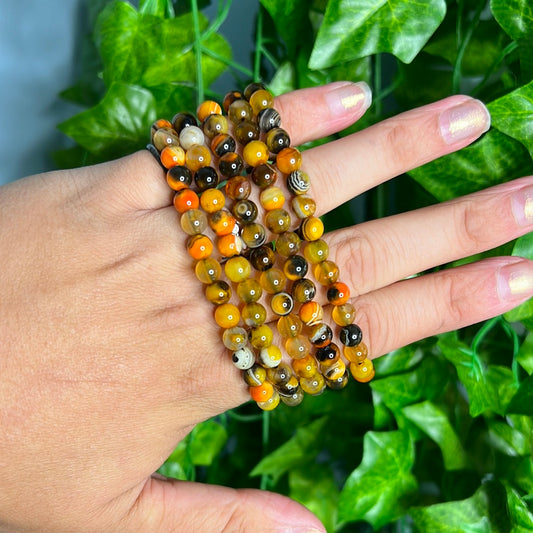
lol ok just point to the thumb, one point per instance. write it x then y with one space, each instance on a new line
167 505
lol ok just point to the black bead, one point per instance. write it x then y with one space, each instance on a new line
327 353
206 178
245 211
262 258
351 335
181 173
183 120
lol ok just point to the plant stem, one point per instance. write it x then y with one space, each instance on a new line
226 61
265 440
198 52
482 333
222 15
258 44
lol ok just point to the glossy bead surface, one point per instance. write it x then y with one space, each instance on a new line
303 206
172 155
272 198
311 228
215 125
186 199
255 153
207 108
212 200
288 244
183 120
305 367
263 392
311 313
237 269
298 182
320 335
289 325
253 314
316 251
240 110
165 137
288 160
251 88
278 221
253 235
261 336
339 383
351 335
160 123
243 358
362 372
249 291
234 338
255 376
303 290
229 98
281 303
294 399
227 315
268 118
334 371
222 144
193 221
313 385
246 131
298 347
270 356
197 156
208 270
357 353
289 388
277 139
229 245
218 292
280 374
343 314
295 267
273 280
245 211
327 355
191 136
230 164
179 177
206 178
262 258
261 99
326 272
222 222
238 188
264 175
338 293
199 246
270 404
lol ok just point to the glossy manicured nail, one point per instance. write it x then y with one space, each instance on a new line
515 281
522 203
346 98
464 121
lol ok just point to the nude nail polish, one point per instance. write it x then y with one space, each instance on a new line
464 121
515 281
345 98
522 204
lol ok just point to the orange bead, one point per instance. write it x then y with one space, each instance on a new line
161 123
186 199
172 155
255 153
229 245
311 313
289 160
222 222
272 198
227 315
263 392
362 372
209 107
199 246
338 293
197 156
212 200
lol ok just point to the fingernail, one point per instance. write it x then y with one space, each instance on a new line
300 530
348 97
522 203
515 281
463 121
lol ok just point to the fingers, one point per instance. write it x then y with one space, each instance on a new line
170 505
379 252
349 166
420 307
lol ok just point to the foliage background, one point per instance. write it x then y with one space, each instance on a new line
442 439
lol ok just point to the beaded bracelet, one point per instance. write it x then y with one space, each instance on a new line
213 172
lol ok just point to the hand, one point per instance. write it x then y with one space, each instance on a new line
110 354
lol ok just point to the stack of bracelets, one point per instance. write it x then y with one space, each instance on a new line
256 258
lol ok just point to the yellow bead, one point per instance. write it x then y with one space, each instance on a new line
218 292
261 336
316 251
343 314
272 198
249 291
289 325
313 385
227 315
282 303
255 153
298 347
253 314
260 100
238 269
270 404
312 228
270 356
197 156
326 273
305 367
356 354
212 200
362 372
335 371
209 107
273 280
208 270
234 338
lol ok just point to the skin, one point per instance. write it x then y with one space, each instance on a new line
109 356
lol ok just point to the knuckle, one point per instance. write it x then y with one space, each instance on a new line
470 228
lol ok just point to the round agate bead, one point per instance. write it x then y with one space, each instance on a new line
261 336
311 228
249 291
179 177
230 245
273 280
264 175
243 358
234 338
311 313
255 153
222 144
240 110
294 399
197 156
253 235
289 388
289 160
251 88
208 270
238 188
288 244
303 206
212 200
218 292
326 272
280 374
253 314
172 155
289 325
271 403
199 246
268 118
165 137
339 383
351 335
206 108
214 125
270 356
185 200
222 222
357 353
303 290
316 251
193 221
313 385
298 182
245 211
237 269
281 303
246 131
227 315
262 258
278 221
343 314
261 99
334 371
277 139
255 376
158 124
328 355
183 120
305 367
298 347
338 293
230 164
362 372
191 136
206 178
295 267
272 198
320 335
229 98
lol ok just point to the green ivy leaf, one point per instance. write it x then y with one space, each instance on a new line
300 449
433 421
494 159
522 248
118 125
160 8
521 517
525 354
379 489
512 114
206 442
522 401
399 360
507 439
353 29
514 16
